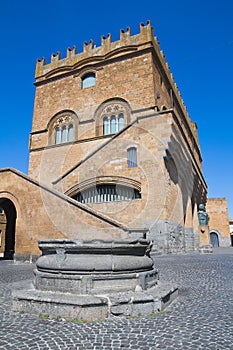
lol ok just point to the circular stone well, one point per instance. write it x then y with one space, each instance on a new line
92 279
95 266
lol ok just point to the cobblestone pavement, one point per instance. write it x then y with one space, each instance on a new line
201 318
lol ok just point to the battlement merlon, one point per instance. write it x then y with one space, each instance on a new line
92 54
90 50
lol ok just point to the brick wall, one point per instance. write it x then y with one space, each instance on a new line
217 210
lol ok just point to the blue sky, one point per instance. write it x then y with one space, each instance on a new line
196 36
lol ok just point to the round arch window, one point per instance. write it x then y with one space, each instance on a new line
107 193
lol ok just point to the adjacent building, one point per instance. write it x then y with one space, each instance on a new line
219 222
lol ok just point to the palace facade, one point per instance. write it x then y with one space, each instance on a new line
113 152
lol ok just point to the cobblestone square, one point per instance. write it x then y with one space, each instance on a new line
201 317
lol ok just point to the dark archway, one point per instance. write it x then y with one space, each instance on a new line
10 212
214 239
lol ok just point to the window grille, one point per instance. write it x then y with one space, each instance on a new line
107 193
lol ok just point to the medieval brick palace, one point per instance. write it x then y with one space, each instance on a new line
113 152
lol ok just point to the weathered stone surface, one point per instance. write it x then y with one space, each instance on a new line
56 304
92 307
144 303
95 266
81 256
115 277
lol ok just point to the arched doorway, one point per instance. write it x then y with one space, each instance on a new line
214 239
9 234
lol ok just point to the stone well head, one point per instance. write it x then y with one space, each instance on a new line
93 279
95 266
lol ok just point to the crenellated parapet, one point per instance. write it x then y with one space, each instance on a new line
92 55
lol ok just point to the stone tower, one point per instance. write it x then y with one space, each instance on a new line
113 151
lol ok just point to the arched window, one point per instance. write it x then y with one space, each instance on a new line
107 193
132 157
112 116
63 128
88 80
